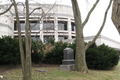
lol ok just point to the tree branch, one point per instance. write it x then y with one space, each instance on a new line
34 24
39 19
100 30
36 9
89 13
20 38
49 10
7 9
43 10
21 3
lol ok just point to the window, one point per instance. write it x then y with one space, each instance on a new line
73 37
73 27
22 24
36 27
48 25
62 25
35 38
15 26
62 38
17 37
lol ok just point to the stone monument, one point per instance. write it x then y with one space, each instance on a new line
68 63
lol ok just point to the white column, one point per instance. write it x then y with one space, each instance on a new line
41 30
12 26
69 28
56 29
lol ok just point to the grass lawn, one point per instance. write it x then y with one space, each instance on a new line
53 73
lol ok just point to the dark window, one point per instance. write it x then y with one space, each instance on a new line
34 38
36 27
17 37
72 26
15 26
22 24
62 25
62 38
73 37
48 25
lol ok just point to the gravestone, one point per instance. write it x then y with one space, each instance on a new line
68 63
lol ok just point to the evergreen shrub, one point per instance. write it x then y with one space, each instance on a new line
101 57
55 56
35 56
9 50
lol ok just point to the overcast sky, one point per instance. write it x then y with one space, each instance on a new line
96 18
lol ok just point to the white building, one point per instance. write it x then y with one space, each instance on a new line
58 23
100 40
6 22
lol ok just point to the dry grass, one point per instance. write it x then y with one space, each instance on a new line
53 73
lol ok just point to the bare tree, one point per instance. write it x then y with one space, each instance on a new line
80 61
116 14
26 54
6 10
25 58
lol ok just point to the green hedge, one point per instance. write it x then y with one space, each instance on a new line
10 54
97 57
55 56
36 50
101 57
9 50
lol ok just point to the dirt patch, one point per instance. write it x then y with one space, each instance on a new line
4 68
44 65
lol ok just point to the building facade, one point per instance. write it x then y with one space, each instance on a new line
53 21
100 40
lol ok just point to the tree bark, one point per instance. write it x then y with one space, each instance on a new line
116 14
25 57
101 28
20 40
80 61
6 10
27 45
80 57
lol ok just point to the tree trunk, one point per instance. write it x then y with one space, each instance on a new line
20 40
80 61
25 57
116 14
27 45
80 57
101 28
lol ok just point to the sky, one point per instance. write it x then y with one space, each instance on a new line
96 17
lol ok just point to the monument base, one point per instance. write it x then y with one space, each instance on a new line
70 67
67 62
